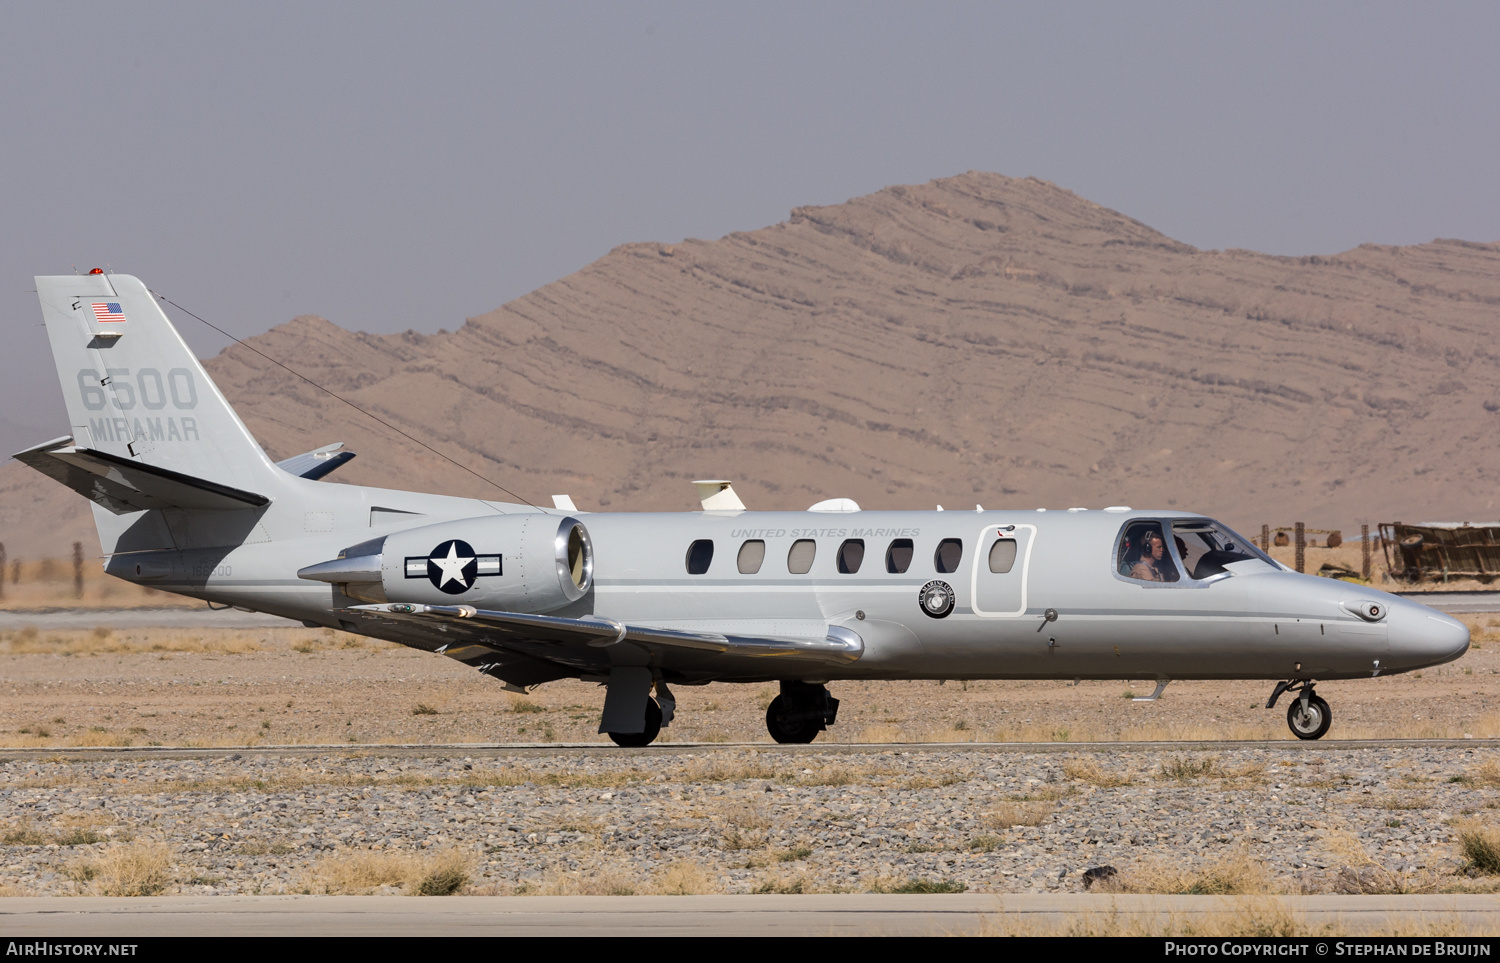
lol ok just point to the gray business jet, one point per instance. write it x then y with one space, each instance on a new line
185 500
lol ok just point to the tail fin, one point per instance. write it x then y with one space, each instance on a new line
135 391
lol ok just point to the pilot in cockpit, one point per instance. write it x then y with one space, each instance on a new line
1152 565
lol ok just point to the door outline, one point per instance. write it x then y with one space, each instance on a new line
981 557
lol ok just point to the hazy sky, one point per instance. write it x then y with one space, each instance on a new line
393 166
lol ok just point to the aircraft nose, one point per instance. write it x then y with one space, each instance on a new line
1422 636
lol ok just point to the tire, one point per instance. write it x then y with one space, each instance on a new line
1311 724
797 732
636 740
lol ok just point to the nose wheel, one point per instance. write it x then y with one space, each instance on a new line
1308 716
1310 719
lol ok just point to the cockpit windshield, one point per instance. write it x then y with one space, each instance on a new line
1206 546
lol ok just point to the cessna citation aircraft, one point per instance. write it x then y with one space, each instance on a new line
186 501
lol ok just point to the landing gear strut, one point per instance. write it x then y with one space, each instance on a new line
1308 716
801 712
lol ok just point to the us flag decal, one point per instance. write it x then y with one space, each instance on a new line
108 311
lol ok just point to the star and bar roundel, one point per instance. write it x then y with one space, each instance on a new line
452 567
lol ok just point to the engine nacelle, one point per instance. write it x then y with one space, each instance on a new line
526 562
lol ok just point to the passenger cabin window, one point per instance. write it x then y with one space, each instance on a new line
950 552
1206 547
1002 555
699 555
799 560
851 556
1143 554
752 553
898 556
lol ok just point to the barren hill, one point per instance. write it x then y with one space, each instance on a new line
976 339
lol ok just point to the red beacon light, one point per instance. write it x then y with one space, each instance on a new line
97 271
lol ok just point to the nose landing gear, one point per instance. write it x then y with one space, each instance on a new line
1308 716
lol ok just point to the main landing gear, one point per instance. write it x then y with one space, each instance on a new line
801 712
1308 716
635 740
632 718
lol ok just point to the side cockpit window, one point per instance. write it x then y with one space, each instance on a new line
1206 547
1143 555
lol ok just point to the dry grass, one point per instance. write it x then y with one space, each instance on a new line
1362 874
23 833
685 878
1234 874
1008 815
1247 917
681 878
734 769
1480 845
1089 771
357 872
1487 773
139 868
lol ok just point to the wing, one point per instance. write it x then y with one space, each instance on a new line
816 642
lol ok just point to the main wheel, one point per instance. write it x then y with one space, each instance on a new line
635 740
785 729
1309 723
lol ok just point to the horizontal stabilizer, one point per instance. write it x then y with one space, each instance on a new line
316 463
123 486
838 645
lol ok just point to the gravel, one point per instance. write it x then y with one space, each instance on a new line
748 819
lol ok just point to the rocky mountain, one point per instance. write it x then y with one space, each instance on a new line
975 339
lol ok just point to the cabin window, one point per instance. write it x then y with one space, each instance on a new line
851 556
1143 554
799 560
752 553
898 556
950 552
699 555
1002 555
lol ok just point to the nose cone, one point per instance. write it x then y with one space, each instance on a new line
1421 636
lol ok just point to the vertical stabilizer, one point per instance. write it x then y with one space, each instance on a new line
133 388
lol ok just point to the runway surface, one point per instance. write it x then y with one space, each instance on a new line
553 749
174 618
1457 603
654 916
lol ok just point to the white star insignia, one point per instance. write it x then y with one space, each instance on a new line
452 566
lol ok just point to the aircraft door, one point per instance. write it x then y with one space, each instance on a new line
1001 568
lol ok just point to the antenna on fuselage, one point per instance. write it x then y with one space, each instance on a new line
717 495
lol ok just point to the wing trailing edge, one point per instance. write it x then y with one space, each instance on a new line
837 646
